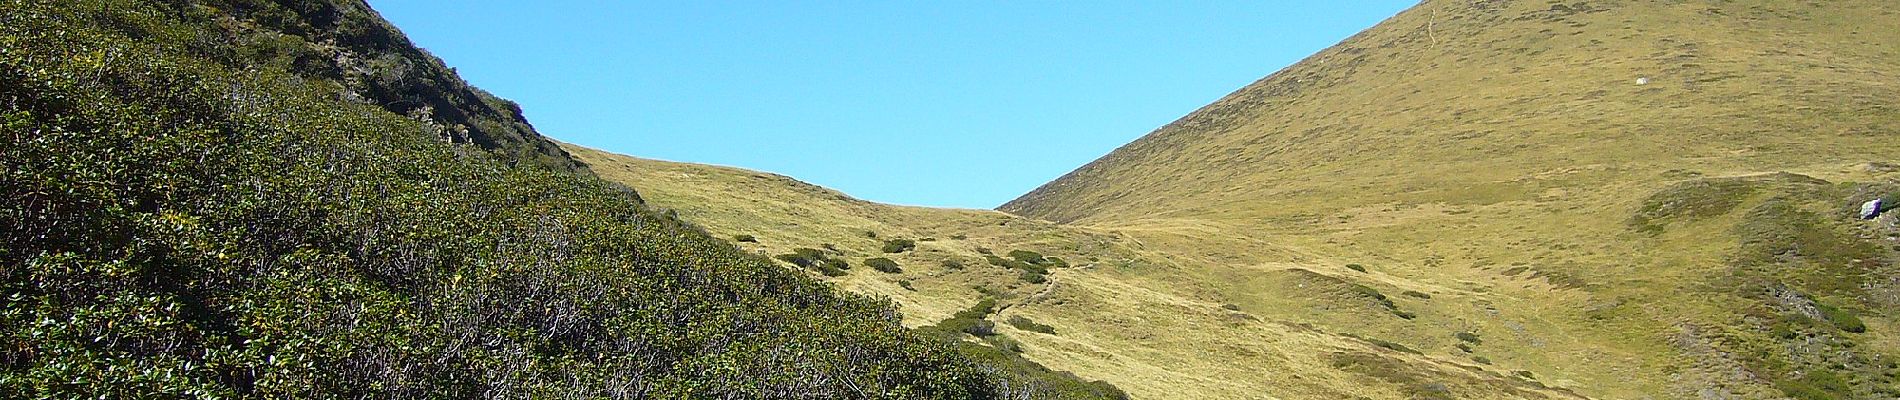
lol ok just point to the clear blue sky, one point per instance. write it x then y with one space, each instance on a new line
958 104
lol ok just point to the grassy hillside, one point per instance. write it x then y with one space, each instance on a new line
1106 316
196 209
1591 192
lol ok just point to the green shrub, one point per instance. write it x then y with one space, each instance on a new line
952 265
745 239
884 265
1392 346
899 245
1023 323
906 284
1468 337
1026 256
1842 319
1356 267
1053 262
1416 294
816 260
1034 277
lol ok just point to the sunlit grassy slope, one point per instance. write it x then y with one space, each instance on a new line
1474 199
1116 314
1590 189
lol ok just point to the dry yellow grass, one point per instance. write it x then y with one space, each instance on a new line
1121 313
1479 160
1489 153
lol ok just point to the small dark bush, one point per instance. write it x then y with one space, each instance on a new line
1418 294
1481 360
1023 323
884 265
1842 319
1356 267
1392 346
817 260
984 250
906 285
1469 337
1005 263
958 237
952 265
1231 307
1034 277
870 234
1465 347
1053 262
1026 256
745 239
1402 314
980 328
899 245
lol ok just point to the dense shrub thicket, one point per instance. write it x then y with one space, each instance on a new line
189 218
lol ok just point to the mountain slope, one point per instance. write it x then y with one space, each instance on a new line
1477 97
1633 199
1103 316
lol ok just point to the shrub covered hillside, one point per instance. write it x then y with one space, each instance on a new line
187 216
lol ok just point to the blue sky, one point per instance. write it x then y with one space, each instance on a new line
956 104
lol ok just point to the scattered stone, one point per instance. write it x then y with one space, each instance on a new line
1870 209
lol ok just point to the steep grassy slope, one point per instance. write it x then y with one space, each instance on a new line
1104 317
188 219
1509 163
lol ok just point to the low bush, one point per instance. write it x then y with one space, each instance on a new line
884 265
952 265
1024 323
816 260
899 245
1417 294
1053 262
1356 267
1392 346
1842 319
1026 256
1468 337
1034 277
745 239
